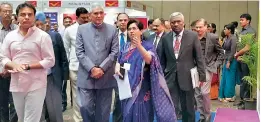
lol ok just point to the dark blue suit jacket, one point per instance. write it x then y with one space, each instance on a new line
152 37
60 70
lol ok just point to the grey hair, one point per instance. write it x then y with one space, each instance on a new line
177 15
96 5
6 3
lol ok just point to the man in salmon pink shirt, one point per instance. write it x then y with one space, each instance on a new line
28 53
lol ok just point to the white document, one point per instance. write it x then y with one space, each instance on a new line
123 86
194 77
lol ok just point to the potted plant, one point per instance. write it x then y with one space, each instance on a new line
251 59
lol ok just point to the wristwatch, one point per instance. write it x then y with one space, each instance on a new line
27 67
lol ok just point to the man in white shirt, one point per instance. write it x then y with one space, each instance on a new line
159 29
69 39
67 21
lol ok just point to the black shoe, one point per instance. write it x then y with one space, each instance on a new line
64 108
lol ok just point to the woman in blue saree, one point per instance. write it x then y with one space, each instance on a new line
150 95
229 77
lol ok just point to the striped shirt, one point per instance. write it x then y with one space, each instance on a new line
3 33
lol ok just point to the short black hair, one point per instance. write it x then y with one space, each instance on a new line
246 16
213 25
235 23
67 17
138 23
15 17
121 14
81 10
150 21
47 17
193 23
23 5
230 27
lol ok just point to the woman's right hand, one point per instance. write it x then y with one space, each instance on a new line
117 69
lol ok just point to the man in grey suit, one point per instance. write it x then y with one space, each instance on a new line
52 110
97 45
177 58
213 55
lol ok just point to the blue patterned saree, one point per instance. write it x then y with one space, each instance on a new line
150 95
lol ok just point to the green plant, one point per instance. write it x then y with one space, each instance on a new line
251 59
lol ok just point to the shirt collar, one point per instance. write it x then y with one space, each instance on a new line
180 34
160 34
12 27
246 27
97 26
125 32
30 30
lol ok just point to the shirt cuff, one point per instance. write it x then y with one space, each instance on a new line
45 64
5 61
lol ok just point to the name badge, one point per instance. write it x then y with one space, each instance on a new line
126 66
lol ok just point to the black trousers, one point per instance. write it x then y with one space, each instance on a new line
4 99
117 114
64 95
185 99
244 86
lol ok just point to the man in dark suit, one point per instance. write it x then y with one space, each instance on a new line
158 28
122 20
213 55
177 58
52 110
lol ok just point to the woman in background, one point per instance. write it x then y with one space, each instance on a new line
150 94
228 81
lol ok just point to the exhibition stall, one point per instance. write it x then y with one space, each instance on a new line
58 9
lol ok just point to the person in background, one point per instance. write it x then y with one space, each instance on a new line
48 23
228 80
149 31
69 38
97 45
6 26
193 26
150 93
14 19
55 27
159 29
52 110
167 26
243 70
236 33
213 55
212 28
29 54
122 20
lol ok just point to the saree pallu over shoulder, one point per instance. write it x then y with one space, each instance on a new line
161 100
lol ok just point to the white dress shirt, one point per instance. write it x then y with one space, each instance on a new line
125 36
69 39
158 39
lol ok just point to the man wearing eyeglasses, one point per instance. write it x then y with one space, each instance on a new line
69 39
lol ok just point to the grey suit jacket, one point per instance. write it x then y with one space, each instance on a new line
60 70
229 53
189 56
96 47
214 53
